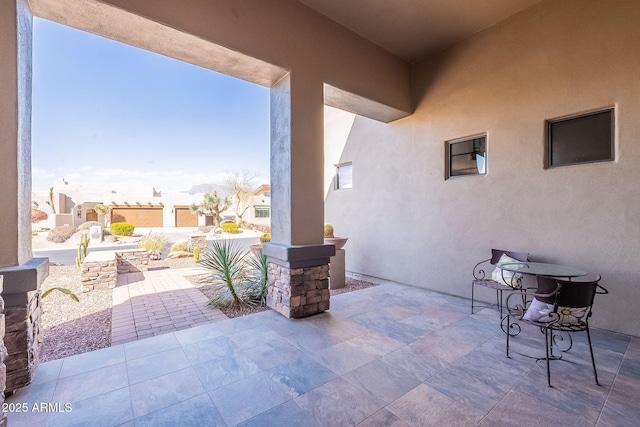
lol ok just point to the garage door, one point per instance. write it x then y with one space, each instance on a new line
184 217
138 216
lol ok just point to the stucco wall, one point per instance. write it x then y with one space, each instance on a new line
407 223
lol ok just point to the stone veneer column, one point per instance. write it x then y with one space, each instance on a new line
298 292
23 335
3 356
298 282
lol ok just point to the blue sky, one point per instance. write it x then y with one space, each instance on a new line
109 114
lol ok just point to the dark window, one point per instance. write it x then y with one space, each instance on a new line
466 157
581 139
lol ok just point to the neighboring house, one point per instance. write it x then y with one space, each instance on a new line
259 212
142 207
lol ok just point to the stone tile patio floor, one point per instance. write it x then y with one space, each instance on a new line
386 355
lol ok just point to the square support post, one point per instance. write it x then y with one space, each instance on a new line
298 282
23 274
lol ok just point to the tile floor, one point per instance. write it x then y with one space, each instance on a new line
382 356
156 302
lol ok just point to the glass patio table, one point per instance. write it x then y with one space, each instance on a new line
542 269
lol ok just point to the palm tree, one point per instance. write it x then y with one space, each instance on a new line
211 204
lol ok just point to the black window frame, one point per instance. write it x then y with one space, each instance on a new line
553 136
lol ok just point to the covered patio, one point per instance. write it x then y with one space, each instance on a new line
394 352
387 355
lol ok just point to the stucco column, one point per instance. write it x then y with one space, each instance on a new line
22 273
299 261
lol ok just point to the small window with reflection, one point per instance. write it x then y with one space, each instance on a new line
466 156
344 176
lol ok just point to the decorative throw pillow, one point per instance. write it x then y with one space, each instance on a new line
506 277
571 315
538 311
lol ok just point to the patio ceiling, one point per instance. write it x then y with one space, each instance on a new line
413 29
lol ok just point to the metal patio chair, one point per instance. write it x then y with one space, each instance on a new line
480 277
558 308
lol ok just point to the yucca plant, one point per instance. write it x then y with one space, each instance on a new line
227 262
257 289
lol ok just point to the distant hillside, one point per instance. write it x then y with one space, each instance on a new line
207 188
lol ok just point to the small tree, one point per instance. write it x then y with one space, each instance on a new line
240 185
211 204
104 210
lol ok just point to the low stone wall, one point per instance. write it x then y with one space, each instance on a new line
100 269
132 261
198 240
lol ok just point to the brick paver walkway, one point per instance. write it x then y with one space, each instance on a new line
158 302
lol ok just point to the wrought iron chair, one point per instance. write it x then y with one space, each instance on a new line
480 277
558 308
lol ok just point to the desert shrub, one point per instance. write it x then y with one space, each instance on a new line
87 225
122 229
37 215
106 232
230 227
179 247
153 242
61 233
265 238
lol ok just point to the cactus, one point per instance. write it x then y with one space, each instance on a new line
196 254
328 230
82 249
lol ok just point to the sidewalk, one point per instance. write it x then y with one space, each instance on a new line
158 302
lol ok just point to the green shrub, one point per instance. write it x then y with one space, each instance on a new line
153 242
87 225
106 232
122 229
179 247
61 233
265 238
230 227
